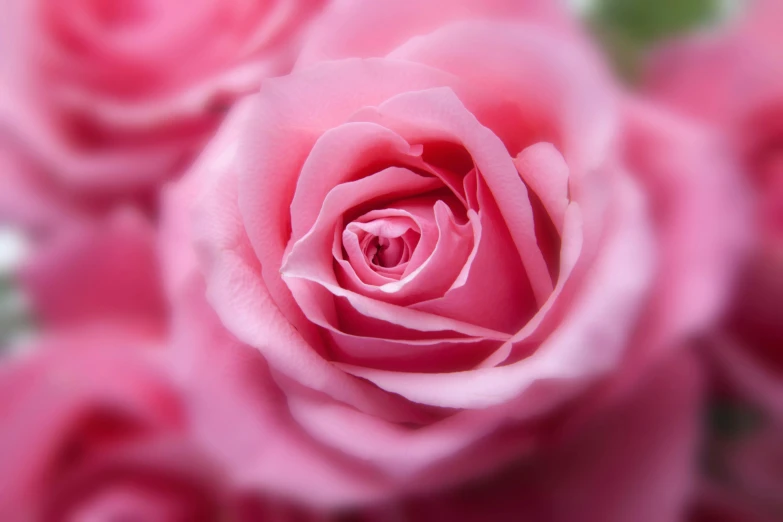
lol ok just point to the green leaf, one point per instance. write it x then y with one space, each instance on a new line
628 28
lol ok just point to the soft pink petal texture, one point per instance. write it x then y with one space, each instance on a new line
351 28
288 118
633 462
572 253
92 423
411 229
227 389
311 256
29 199
335 158
444 453
227 384
621 274
438 114
309 261
237 286
240 417
315 300
157 475
578 116
492 289
545 172
222 376
380 247
267 229
98 272
109 172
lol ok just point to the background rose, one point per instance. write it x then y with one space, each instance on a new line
111 97
315 209
90 428
94 428
733 79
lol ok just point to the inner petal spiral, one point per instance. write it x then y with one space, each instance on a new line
387 243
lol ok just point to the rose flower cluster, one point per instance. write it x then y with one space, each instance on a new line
389 260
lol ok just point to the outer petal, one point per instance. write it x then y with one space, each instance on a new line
635 462
239 415
557 85
351 28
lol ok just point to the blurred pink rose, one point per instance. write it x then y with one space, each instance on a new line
90 430
435 252
733 80
112 97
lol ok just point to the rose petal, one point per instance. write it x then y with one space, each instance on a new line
546 173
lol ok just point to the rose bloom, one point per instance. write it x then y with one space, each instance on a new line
438 246
93 429
733 80
110 98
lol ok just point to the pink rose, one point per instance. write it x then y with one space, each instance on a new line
733 80
91 430
112 97
435 254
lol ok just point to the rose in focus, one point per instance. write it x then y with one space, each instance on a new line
420 261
